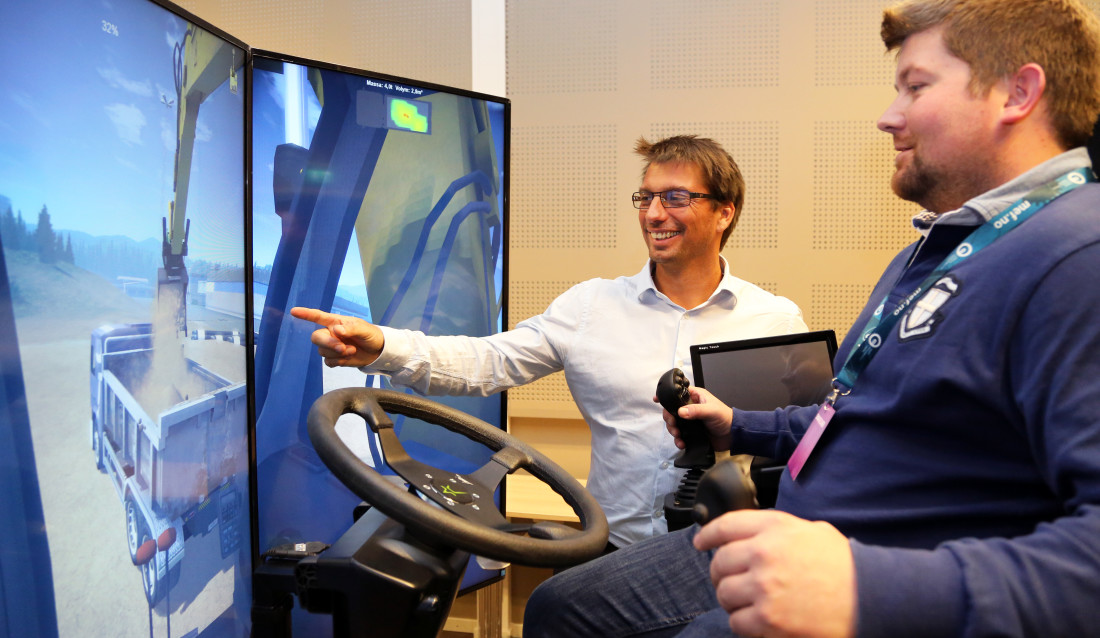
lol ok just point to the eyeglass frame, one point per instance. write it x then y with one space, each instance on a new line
637 201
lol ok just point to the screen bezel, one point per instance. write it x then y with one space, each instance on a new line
828 337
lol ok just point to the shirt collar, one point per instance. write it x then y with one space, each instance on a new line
647 290
984 207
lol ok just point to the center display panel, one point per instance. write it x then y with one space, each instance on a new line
378 198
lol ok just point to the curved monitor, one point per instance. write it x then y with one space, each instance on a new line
376 197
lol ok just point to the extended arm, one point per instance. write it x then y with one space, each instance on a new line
450 364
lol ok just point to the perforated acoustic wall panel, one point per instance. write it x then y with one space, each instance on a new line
581 59
770 286
836 304
853 206
843 54
792 88
549 394
300 25
714 44
565 207
442 31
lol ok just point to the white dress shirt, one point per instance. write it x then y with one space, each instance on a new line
614 339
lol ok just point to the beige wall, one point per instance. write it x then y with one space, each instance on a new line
427 40
791 88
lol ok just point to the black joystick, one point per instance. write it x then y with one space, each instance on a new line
698 455
672 392
723 488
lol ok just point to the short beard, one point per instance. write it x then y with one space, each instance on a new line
917 184
937 190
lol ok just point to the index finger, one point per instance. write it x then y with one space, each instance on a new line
319 317
734 526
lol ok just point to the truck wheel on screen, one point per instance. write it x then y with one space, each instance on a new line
154 587
135 528
97 446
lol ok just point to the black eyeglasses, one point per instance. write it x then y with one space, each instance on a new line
675 198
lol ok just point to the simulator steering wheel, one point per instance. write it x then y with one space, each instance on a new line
466 517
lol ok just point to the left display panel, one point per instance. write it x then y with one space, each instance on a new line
124 419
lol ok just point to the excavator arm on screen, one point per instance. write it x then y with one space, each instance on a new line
203 62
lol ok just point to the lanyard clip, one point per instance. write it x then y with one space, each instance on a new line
838 391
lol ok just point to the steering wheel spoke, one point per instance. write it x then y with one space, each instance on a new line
503 462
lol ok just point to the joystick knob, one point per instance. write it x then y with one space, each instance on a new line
672 393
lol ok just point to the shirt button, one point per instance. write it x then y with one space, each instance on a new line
658 513
664 466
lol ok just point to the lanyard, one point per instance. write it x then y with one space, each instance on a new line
879 326
874 333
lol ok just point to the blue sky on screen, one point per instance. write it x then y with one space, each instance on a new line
94 137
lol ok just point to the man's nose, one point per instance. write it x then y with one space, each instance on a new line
656 209
892 119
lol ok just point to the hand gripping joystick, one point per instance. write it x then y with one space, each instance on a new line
672 392
723 488
698 455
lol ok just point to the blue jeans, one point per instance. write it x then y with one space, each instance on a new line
658 587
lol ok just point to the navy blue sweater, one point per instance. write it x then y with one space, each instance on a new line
965 465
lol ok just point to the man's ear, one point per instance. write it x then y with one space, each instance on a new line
726 213
1024 90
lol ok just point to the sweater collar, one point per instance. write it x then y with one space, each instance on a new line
984 207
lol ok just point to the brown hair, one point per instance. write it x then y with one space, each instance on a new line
997 37
720 173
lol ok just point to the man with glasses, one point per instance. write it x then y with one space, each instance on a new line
613 338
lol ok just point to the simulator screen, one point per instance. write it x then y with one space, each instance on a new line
379 198
122 319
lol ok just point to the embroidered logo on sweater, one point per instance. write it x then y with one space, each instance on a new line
922 318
